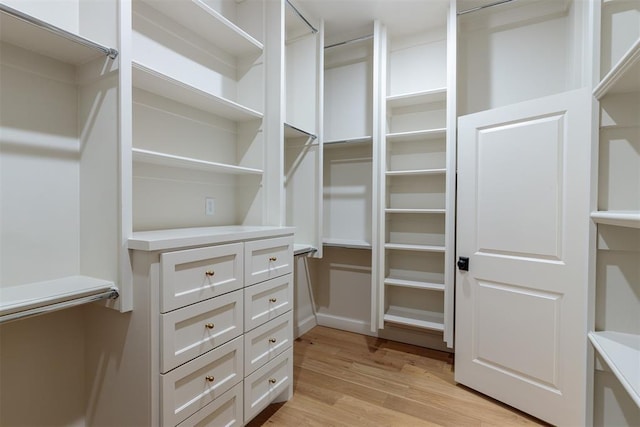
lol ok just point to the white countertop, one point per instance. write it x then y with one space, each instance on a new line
184 237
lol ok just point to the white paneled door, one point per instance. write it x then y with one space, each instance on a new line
523 222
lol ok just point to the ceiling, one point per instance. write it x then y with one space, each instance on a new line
345 19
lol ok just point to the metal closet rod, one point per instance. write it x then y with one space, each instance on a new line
356 40
111 53
498 3
110 294
313 29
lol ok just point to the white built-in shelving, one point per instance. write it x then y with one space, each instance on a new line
54 256
415 318
616 333
164 159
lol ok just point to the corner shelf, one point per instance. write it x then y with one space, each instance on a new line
30 33
291 131
415 318
624 77
347 141
164 159
42 297
156 82
629 219
417 98
621 352
210 24
303 249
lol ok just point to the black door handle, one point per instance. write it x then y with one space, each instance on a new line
463 263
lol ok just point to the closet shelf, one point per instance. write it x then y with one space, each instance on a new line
392 281
620 218
417 248
155 82
31 299
621 352
345 243
164 159
356 140
210 24
303 249
417 98
414 211
418 135
418 172
23 30
416 318
624 77
291 131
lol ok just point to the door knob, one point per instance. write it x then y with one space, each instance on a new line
463 263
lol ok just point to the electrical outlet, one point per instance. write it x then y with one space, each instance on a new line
209 206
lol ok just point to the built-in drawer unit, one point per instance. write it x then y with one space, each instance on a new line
227 410
193 330
265 384
193 385
194 275
266 301
268 258
265 342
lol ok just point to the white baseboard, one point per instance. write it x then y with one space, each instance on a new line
345 324
303 326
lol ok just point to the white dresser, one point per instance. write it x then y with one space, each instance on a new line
220 305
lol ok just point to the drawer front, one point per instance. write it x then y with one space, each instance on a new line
227 410
266 301
265 384
266 259
194 275
267 341
191 331
190 387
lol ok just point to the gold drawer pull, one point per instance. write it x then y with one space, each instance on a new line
209 325
272 300
272 380
272 340
209 378
210 273
273 258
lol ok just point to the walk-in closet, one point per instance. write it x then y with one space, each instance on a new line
252 212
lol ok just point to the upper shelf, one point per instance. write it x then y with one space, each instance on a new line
210 24
620 218
624 77
171 160
163 85
291 131
417 98
38 36
418 135
42 297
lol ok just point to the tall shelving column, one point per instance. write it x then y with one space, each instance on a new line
414 183
198 104
616 337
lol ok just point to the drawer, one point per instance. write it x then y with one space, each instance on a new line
267 341
267 300
266 259
190 387
227 410
265 384
191 331
194 275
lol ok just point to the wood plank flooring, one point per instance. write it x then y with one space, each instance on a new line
347 379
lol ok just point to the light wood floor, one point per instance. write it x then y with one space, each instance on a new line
346 379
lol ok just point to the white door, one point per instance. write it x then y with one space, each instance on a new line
523 222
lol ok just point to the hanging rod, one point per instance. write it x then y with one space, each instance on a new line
110 294
313 29
356 40
498 3
110 52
